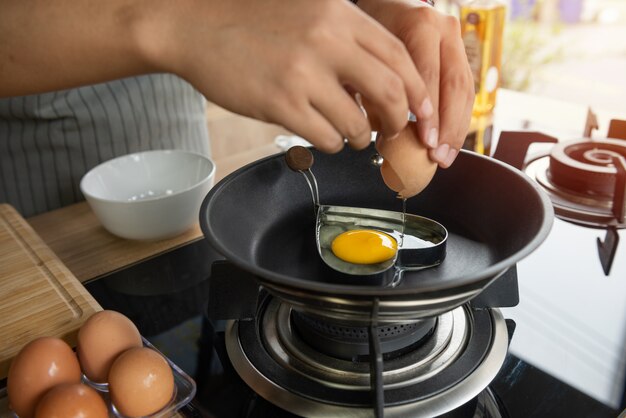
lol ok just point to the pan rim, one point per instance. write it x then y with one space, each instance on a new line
282 280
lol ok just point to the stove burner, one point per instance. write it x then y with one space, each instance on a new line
586 167
586 182
450 368
580 177
350 342
600 157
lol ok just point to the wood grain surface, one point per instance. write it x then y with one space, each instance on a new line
90 251
40 296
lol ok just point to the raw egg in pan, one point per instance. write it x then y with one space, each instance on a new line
364 246
363 241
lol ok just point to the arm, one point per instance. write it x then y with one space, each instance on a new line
287 62
435 45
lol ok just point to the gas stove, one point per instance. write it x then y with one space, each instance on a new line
262 354
584 178
575 281
175 307
313 367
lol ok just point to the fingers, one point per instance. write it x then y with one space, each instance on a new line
380 43
422 39
335 104
382 87
393 54
305 120
435 44
423 52
456 97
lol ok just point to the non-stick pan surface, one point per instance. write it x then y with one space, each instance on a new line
262 219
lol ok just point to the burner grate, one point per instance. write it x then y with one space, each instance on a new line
352 342
586 166
585 179
451 367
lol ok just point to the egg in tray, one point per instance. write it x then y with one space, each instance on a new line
113 373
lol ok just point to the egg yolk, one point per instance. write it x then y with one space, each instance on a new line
363 246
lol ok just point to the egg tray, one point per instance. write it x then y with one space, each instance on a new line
184 392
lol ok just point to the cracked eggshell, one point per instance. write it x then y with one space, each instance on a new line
407 169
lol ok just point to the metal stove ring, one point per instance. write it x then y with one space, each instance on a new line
571 206
358 311
289 351
437 404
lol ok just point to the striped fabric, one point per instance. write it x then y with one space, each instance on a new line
49 141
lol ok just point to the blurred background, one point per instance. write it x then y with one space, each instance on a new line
571 50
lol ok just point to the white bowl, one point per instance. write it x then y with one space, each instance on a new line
149 195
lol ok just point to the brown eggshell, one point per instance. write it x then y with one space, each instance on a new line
141 382
103 337
407 168
40 365
71 400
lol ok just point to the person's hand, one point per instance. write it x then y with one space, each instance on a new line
297 63
434 42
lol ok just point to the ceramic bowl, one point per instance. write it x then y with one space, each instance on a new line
149 195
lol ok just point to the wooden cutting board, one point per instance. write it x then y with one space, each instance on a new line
39 296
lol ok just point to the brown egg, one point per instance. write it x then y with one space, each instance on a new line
103 337
71 400
407 168
40 365
140 382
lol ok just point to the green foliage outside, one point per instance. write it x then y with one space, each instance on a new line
526 49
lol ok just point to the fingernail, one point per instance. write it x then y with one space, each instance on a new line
426 109
432 138
441 153
451 157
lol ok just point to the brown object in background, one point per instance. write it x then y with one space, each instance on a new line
40 296
591 124
617 129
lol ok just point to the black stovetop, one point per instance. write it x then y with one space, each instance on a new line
167 296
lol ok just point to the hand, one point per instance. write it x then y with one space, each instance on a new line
291 62
295 63
435 45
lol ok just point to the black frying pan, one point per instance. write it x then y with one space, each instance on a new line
261 218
